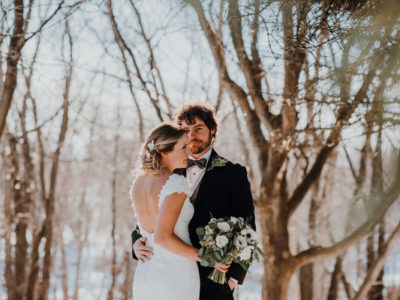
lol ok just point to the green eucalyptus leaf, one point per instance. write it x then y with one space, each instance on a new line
211 262
260 251
217 256
200 231
201 252
205 263
225 260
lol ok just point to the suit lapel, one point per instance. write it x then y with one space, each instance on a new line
204 181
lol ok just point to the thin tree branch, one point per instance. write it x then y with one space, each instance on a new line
122 46
377 265
253 76
234 90
43 23
318 253
343 116
153 62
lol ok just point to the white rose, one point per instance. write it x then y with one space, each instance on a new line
213 220
221 241
233 220
224 226
245 254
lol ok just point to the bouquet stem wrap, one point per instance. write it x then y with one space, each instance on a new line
217 276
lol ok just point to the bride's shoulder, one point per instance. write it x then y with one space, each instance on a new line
177 178
138 179
176 184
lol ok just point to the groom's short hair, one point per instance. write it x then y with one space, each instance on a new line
204 112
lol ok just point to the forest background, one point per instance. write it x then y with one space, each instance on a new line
307 95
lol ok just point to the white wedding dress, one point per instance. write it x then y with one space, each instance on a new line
168 276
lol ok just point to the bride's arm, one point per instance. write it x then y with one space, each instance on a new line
164 230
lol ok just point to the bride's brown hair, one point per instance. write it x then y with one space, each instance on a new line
161 139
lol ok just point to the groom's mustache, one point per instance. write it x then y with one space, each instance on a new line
198 141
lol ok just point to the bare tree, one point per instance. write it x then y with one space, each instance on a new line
18 39
153 84
113 209
276 136
297 80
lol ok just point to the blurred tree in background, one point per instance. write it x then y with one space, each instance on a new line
307 97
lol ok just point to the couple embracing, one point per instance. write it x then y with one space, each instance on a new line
180 182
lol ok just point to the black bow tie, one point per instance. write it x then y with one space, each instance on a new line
201 163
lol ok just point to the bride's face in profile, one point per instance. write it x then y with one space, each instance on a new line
179 156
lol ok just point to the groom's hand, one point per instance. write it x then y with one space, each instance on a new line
222 267
142 252
231 283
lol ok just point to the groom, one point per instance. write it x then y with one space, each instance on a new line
220 188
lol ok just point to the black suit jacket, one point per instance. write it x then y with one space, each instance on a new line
224 192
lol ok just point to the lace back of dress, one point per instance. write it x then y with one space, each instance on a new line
174 184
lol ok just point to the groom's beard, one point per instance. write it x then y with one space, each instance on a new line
200 146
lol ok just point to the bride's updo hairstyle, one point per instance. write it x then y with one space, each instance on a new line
161 139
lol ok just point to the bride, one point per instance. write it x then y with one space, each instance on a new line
163 212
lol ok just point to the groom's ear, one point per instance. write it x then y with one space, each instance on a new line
212 133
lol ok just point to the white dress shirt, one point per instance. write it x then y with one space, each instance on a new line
195 173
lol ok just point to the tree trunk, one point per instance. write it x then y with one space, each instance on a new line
16 265
281 272
21 251
48 257
347 287
9 275
14 54
277 263
370 258
34 271
381 246
306 282
335 279
113 209
64 273
78 267
376 292
126 288
23 206
376 189
49 200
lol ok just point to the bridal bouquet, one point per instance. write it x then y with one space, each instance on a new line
225 238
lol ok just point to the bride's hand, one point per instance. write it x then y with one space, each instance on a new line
222 267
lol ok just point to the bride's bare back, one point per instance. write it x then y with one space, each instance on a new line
145 192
